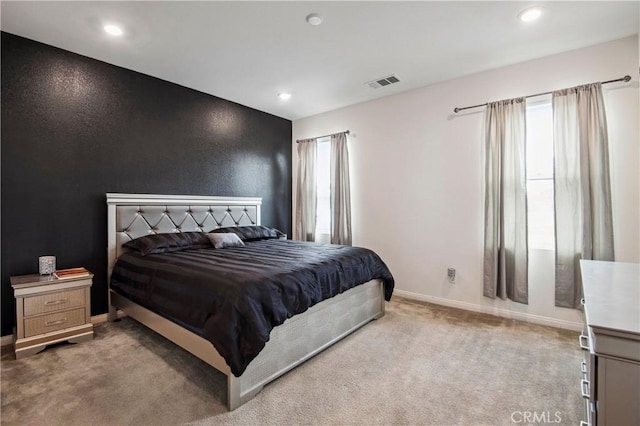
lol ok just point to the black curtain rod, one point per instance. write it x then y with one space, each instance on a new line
346 132
626 78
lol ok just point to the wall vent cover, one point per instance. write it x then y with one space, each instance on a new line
383 81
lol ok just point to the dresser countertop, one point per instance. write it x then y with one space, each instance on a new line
612 295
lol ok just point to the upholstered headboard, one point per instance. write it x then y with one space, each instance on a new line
131 216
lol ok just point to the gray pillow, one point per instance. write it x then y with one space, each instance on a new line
220 240
251 232
165 243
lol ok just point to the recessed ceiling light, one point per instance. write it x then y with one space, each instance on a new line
284 96
314 19
531 14
113 30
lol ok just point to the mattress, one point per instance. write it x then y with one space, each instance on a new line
234 296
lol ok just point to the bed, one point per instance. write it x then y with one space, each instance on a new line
131 216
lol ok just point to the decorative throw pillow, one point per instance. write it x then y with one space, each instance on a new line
222 240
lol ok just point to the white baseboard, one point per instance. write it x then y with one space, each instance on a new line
505 313
96 319
6 340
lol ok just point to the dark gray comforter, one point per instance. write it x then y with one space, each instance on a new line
234 296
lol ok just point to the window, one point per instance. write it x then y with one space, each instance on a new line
540 202
323 170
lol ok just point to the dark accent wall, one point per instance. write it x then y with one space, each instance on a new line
74 128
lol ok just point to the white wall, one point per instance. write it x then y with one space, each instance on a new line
416 170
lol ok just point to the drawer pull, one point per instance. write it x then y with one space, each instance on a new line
584 388
585 338
582 301
583 367
50 323
55 302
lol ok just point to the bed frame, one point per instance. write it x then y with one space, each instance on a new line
134 215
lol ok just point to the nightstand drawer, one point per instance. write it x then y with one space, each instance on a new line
52 322
54 302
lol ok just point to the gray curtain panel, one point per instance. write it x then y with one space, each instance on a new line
306 198
584 226
505 266
340 191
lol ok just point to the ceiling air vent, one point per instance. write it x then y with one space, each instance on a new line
383 81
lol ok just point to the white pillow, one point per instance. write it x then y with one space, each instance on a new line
220 240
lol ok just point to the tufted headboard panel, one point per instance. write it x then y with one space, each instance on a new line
131 216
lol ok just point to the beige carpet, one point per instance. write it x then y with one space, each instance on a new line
420 364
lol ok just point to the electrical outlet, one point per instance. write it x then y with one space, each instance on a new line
451 274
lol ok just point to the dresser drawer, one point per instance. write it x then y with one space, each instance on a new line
54 301
52 322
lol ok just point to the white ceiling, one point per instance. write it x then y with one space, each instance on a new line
248 52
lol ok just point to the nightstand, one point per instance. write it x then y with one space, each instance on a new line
51 310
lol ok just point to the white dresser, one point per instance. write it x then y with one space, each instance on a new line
611 340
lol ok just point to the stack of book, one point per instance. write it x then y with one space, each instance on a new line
71 273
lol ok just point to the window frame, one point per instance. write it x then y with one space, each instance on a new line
322 232
543 215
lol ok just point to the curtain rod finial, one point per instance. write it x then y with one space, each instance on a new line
456 109
627 78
